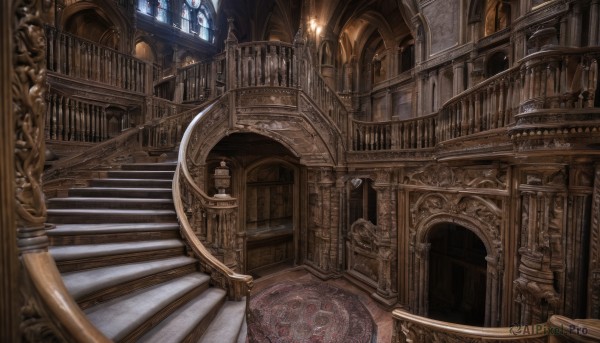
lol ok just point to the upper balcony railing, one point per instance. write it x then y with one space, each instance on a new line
547 81
542 82
82 59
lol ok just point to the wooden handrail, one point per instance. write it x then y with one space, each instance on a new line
57 301
237 285
419 328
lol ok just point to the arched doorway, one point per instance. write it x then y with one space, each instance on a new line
457 275
269 207
265 178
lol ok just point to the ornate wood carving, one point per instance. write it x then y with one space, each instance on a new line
439 175
541 231
593 310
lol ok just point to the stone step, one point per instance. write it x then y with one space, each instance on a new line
190 321
132 183
228 324
93 286
128 317
141 174
110 203
87 256
90 216
71 234
166 166
107 192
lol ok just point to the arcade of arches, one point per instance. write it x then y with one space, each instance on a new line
441 155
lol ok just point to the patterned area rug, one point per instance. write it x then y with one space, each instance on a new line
309 312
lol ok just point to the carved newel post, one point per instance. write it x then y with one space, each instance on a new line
222 180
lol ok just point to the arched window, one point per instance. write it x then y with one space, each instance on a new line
185 18
497 16
204 23
144 6
162 11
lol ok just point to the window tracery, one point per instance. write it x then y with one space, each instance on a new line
195 17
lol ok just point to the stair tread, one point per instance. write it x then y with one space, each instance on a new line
120 316
227 324
111 211
112 199
128 189
83 229
181 322
71 252
81 283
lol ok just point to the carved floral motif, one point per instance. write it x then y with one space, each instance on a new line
440 175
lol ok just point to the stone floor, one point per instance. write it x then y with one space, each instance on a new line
381 317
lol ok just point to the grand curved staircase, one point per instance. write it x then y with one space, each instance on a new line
117 245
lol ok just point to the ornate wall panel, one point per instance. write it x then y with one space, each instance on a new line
471 197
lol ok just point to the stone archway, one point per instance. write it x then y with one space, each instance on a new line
457 275
493 266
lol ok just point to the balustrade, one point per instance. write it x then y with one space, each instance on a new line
196 79
264 64
418 133
326 99
75 120
83 59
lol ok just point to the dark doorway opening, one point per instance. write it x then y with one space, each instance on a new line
457 275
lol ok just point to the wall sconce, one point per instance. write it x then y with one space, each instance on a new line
314 26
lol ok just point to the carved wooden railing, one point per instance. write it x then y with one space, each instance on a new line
417 133
264 64
197 81
565 79
215 219
83 59
159 134
165 108
326 99
531 93
416 329
70 119
490 105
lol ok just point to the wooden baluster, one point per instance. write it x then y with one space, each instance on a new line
592 82
501 103
283 65
60 48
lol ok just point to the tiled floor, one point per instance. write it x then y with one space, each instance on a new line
382 318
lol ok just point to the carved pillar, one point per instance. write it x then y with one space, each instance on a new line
420 302
387 234
593 306
9 292
542 231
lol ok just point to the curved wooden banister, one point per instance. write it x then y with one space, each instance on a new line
410 327
57 301
237 285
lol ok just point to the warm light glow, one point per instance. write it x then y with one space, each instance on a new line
318 30
313 24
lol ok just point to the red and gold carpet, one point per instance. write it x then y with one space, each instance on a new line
308 312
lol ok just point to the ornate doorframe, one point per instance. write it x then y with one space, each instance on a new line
493 259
